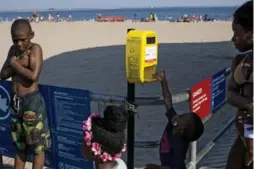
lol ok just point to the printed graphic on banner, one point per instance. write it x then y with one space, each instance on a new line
5 132
69 108
5 99
68 152
201 98
218 89
6 147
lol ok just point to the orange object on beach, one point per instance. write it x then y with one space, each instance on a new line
111 19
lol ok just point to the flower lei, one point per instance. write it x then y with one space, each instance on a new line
94 146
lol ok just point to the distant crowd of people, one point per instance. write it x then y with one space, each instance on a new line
185 18
37 18
193 18
152 17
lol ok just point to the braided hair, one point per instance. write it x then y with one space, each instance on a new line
110 130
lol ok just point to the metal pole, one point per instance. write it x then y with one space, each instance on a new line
193 146
131 124
193 154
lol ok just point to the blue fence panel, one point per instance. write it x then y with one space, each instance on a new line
6 147
66 109
219 89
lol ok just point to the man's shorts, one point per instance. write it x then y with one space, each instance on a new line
29 123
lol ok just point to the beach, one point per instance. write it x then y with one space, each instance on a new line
90 55
56 38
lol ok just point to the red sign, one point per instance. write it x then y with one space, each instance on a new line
201 98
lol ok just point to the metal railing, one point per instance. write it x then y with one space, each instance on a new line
149 101
195 156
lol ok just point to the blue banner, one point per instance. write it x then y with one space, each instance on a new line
68 152
6 147
66 109
218 89
5 98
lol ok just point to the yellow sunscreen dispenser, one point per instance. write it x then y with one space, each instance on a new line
141 56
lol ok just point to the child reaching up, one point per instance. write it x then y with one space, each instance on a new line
104 138
179 132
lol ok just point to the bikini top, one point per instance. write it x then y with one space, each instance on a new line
238 74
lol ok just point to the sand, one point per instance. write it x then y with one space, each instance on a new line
56 38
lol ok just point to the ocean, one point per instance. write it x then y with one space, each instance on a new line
218 13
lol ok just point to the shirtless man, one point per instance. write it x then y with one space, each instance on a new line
29 123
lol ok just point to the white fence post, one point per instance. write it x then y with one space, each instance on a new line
193 154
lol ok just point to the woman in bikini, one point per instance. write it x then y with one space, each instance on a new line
240 88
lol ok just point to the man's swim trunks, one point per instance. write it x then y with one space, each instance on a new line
29 123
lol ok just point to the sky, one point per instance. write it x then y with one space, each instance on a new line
107 4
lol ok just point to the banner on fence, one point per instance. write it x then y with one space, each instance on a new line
66 108
200 99
218 89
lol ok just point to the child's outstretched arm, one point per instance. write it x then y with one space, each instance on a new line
160 76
